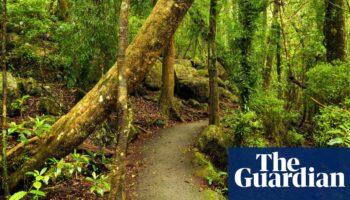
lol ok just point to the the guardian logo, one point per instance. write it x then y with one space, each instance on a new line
285 173
289 174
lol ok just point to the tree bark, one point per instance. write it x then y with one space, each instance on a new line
5 185
124 121
62 9
335 32
166 100
73 128
212 70
272 42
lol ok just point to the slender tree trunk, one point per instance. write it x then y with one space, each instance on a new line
62 9
212 70
166 101
5 185
74 127
335 31
271 52
52 2
124 121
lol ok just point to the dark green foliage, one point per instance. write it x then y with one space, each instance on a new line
88 42
329 83
333 127
242 127
249 13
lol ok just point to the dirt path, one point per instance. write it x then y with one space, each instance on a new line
167 173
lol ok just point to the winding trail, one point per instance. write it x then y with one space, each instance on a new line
167 173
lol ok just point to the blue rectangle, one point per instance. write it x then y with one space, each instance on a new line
299 174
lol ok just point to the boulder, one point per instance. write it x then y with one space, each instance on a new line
195 104
221 71
153 80
30 86
50 106
224 93
215 143
13 91
190 85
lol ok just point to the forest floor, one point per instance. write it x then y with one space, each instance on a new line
167 172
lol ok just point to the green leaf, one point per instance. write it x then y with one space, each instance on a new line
38 193
335 141
23 138
39 178
18 195
37 185
94 175
43 171
46 179
99 191
89 179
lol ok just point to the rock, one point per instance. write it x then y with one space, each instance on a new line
195 104
153 80
204 168
221 71
49 106
13 91
215 143
153 96
184 62
203 72
30 86
13 39
228 95
190 85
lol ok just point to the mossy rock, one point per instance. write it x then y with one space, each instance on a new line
184 62
50 106
153 96
197 105
13 91
204 168
153 79
203 72
214 142
192 87
212 195
228 95
29 86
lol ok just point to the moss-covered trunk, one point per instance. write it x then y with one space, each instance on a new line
74 127
5 185
62 9
272 44
334 29
166 101
212 70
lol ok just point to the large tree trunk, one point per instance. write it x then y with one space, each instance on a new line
62 9
212 70
335 32
5 185
73 128
272 42
124 122
166 101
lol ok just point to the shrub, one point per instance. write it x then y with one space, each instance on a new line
294 139
241 125
329 83
332 127
276 120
